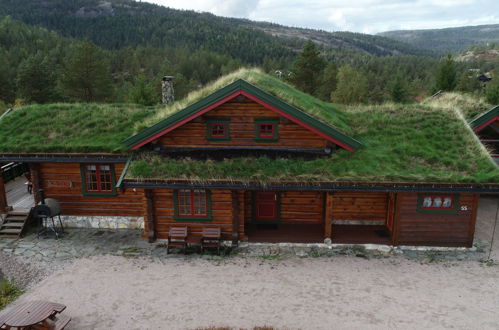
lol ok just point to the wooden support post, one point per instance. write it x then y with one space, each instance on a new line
150 217
3 194
235 218
328 216
35 179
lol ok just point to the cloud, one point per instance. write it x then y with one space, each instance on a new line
368 16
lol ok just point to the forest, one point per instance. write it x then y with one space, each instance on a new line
117 55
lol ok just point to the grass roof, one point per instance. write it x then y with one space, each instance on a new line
319 109
409 143
470 105
69 128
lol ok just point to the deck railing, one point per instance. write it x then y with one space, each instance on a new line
13 170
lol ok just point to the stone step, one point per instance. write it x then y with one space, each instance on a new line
19 212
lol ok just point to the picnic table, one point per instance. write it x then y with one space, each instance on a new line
34 315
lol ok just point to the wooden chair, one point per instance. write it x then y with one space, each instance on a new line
177 237
211 238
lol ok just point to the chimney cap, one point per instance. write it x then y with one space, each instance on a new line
167 78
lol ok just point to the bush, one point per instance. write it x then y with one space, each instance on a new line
8 293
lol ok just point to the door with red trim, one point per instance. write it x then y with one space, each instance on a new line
266 208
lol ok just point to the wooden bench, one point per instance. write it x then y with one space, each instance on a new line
177 236
211 238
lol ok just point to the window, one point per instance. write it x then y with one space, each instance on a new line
217 129
266 129
192 204
437 203
98 179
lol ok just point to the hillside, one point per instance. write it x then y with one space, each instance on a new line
447 40
115 24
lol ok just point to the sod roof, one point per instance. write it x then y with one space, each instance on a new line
70 128
403 143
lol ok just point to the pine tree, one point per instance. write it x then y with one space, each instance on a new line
36 80
468 82
143 93
328 82
398 89
352 86
87 78
307 69
446 76
492 91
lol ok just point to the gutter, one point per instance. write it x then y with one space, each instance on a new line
79 158
494 189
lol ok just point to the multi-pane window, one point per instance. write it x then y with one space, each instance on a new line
98 178
192 203
437 202
266 130
217 130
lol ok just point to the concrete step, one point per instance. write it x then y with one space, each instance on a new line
10 231
16 218
12 225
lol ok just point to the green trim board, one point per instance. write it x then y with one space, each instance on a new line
214 120
253 210
177 217
84 191
274 121
484 117
123 173
155 130
454 209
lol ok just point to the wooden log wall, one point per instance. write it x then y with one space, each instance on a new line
302 207
369 206
221 206
242 129
62 181
412 227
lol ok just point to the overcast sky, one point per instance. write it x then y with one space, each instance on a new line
367 16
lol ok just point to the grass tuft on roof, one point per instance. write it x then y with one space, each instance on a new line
70 128
321 110
470 105
403 143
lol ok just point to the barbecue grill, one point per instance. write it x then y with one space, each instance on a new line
44 213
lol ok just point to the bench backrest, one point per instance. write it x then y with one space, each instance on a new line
212 232
178 232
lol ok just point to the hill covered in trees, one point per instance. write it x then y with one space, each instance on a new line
114 24
447 40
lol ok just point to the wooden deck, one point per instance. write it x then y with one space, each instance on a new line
361 234
343 234
286 233
17 194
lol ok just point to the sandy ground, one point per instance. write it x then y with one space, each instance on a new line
340 292
310 293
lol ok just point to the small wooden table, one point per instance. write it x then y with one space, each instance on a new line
29 314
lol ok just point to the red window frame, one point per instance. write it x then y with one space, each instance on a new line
192 203
98 178
442 198
263 132
218 132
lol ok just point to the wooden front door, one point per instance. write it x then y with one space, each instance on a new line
266 208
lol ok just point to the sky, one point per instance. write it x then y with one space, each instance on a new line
366 16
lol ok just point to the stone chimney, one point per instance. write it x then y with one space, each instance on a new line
167 96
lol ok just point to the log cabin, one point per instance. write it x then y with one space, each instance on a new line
486 127
260 160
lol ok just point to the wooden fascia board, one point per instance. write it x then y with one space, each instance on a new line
483 120
256 94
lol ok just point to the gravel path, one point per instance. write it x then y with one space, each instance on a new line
341 292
